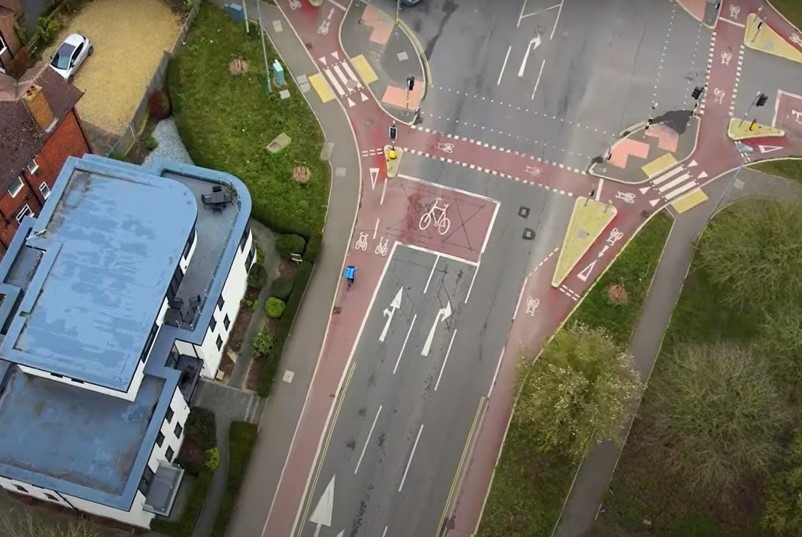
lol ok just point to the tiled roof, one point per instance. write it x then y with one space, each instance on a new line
20 136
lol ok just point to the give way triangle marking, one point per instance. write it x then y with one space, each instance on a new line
692 164
322 60
585 274
374 175
769 148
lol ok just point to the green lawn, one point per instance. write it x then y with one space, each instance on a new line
529 488
792 9
789 168
644 499
226 121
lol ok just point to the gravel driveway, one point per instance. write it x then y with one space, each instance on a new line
130 38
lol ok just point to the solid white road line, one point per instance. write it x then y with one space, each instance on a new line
489 229
334 82
495 375
738 24
504 66
559 12
521 16
684 188
470 287
384 189
409 462
367 440
520 296
675 182
668 175
441 254
538 12
376 228
384 533
599 189
404 346
436 259
338 5
445 360
537 83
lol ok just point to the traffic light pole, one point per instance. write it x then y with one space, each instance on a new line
759 100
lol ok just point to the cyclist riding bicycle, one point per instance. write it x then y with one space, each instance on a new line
350 274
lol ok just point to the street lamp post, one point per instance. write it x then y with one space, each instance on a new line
264 48
397 11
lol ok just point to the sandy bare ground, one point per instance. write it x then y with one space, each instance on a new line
130 38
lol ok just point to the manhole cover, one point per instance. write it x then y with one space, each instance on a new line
523 212
529 234
337 310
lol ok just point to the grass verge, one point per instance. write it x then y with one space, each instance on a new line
529 488
241 440
792 9
787 168
226 121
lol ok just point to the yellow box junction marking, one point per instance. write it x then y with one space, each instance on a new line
739 130
321 87
659 165
366 72
689 201
588 220
767 40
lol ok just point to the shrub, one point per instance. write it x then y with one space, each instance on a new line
273 358
48 27
249 303
119 156
212 459
282 287
159 105
201 428
290 244
150 143
262 343
274 307
257 276
313 247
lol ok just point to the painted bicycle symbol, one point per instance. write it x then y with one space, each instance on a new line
362 242
628 197
533 170
615 236
446 147
437 216
734 11
381 248
324 27
295 4
531 305
796 39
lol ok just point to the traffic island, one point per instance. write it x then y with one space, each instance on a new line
739 129
392 158
760 36
588 220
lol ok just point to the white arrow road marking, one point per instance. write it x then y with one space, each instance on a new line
374 175
692 164
330 14
390 312
341 534
533 44
702 175
603 250
322 513
644 190
586 271
442 315
654 202
769 148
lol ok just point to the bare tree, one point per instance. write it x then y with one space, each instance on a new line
22 523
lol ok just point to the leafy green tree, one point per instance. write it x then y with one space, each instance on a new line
263 341
753 251
577 390
715 416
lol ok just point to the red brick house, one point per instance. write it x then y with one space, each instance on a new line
10 44
39 129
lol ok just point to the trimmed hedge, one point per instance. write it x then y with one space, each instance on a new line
241 440
290 244
201 427
282 287
189 518
274 307
273 358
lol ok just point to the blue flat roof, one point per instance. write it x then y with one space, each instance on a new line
89 444
113 239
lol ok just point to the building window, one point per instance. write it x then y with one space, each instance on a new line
33 166
144 483
178 430
219 343
149 342
244 238
159 439
212 323
220 301
169 416
249 260
21 489
188 246
51 497
45 190
3 46
175 283
15 187
226 322
169 454
25 211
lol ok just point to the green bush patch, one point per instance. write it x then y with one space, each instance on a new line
241 440
226 121
274 307
290 244
282 287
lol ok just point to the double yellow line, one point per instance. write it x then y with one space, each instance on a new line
458 473
319 463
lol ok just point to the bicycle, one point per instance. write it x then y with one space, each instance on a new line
350 275
437 216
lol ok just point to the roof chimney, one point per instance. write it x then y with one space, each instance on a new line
36 102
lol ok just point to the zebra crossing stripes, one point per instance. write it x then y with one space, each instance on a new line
675 182
344 81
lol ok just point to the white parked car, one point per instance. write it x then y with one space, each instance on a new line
71 54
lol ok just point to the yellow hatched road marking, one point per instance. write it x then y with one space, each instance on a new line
321 87
689 201
366 72
659 165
